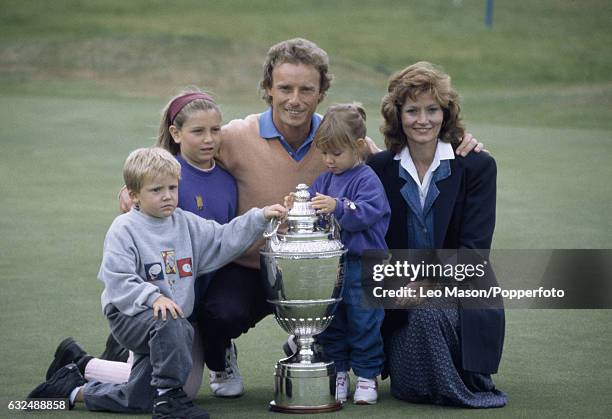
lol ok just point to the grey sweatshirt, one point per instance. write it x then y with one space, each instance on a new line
145 257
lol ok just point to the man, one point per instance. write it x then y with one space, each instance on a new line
269 154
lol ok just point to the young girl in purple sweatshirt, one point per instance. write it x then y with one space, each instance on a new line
352 192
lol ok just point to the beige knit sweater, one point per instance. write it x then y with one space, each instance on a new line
263 169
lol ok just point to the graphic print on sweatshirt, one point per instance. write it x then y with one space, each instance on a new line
184 267
154 271
169 259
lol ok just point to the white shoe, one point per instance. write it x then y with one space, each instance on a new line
366 391
343 383
227 383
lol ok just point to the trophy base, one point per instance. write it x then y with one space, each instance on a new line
304 387
304 409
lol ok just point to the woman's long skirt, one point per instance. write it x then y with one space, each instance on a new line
425 358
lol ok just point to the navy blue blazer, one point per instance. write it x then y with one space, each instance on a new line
464 217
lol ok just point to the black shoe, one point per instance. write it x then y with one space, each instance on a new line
60 385
114 351
68 351
176 405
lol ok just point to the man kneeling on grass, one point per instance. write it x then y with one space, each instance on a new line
151 256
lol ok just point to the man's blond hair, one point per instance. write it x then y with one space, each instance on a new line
147 163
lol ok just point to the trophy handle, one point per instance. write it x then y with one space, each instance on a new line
334 227
272 228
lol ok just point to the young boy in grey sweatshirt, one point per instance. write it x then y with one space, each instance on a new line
152 255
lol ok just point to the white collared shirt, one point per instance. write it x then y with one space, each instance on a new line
444 151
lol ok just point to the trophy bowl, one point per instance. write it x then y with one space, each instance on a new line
302 271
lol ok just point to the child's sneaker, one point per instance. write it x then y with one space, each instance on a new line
60 385
343 384
366 391
68 352
175 404
227 383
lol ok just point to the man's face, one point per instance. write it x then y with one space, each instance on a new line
295 95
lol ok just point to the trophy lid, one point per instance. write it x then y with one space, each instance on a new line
307 231
302 218
301 204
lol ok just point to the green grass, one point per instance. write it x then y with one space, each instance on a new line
62 172
559 40
538 55
82 83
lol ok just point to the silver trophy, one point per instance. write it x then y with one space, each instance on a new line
303 271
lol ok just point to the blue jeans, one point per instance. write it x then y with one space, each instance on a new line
353 338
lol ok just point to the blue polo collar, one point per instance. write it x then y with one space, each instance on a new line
268 130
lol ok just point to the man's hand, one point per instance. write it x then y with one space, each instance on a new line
125 202
275 211
369 148
467 144
323 204
164 303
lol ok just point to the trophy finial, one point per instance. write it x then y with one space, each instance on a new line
302 194
301 204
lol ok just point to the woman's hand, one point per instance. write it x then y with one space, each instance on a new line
164 303
323 204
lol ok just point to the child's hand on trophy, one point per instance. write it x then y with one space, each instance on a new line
275 211
289 200
323 204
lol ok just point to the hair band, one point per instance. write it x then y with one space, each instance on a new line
180 102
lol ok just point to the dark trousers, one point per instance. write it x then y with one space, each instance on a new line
162 359
232 303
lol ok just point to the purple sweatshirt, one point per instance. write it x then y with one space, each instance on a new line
362 209
208 194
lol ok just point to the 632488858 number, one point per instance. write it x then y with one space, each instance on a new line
38 404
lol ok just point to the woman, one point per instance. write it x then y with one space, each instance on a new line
440 353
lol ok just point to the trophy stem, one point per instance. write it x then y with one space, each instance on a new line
305 349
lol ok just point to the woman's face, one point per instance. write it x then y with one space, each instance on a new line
422 119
